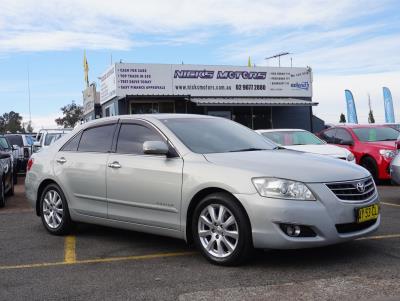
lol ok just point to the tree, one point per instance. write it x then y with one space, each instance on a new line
29 127
11 122
72 115
371 118
342 118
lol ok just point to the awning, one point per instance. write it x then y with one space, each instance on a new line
243 101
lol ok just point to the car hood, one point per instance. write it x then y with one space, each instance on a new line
289 164
321 149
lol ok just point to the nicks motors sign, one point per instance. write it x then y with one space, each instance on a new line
204 80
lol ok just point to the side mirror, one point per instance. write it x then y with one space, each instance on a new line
4 155
155 148
15 147
346 142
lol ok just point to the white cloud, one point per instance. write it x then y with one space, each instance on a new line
41 122
111 24
329 92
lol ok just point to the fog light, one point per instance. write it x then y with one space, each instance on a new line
291 230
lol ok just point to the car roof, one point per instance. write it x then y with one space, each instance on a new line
280 130
355 126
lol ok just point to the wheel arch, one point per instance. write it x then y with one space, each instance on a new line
41 187
197 198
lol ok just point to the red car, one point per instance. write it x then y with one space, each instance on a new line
373 145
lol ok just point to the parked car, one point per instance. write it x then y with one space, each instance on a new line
22 143
204 179
301 140
395 165
46 137
5 146
372 145
395 126
6 177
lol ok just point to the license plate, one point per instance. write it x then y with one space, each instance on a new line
367 213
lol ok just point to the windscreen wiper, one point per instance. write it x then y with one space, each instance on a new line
250 149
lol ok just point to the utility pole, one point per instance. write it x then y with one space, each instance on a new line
29 97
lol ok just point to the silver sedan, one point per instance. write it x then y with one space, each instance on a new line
204 179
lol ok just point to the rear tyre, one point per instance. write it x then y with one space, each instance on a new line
221 230
11 191
370 165
54 210
2 195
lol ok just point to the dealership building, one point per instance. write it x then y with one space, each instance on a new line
258 97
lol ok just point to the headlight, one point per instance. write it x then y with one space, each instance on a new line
350 157
387 153
283 189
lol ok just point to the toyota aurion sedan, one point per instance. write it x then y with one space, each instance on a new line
204 179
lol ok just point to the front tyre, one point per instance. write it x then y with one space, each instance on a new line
221 230
2 194
54 210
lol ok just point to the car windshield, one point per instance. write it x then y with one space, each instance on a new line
373 134
50 138
215 135
4 144
15 140
293 137
29 139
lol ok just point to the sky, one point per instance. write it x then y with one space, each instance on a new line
349 45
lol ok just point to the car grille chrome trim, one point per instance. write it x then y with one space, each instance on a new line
348 191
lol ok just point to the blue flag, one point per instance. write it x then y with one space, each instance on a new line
351 107
388 102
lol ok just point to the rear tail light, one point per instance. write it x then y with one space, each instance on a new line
398 145
29 165
26 152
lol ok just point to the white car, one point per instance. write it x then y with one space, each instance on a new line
46 137
301 140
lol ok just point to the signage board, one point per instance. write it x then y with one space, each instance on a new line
205 81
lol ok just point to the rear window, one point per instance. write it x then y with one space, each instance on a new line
15 140
371 134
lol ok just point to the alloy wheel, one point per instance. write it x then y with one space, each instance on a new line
53 209
218 230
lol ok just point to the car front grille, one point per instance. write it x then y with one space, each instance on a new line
359 190
354 227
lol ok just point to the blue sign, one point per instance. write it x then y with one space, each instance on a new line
388 102
351 107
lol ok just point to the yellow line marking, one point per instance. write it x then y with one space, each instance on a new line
379 237
97 260
69 249
390 204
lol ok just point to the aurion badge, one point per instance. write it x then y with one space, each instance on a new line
360 187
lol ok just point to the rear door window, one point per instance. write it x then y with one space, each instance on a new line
97 139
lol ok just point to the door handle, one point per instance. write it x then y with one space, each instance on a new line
114 165
61 160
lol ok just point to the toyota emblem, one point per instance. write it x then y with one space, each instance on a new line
360 187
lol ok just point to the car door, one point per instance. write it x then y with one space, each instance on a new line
80 167
143 189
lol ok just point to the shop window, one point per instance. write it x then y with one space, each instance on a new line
109 110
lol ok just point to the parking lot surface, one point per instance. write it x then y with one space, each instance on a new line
111 264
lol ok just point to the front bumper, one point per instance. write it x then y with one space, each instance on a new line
322 216
395 173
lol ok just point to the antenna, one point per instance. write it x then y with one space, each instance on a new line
278 55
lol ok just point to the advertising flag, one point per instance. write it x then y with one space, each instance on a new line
351 107
388 102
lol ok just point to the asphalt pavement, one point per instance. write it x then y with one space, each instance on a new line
98 263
